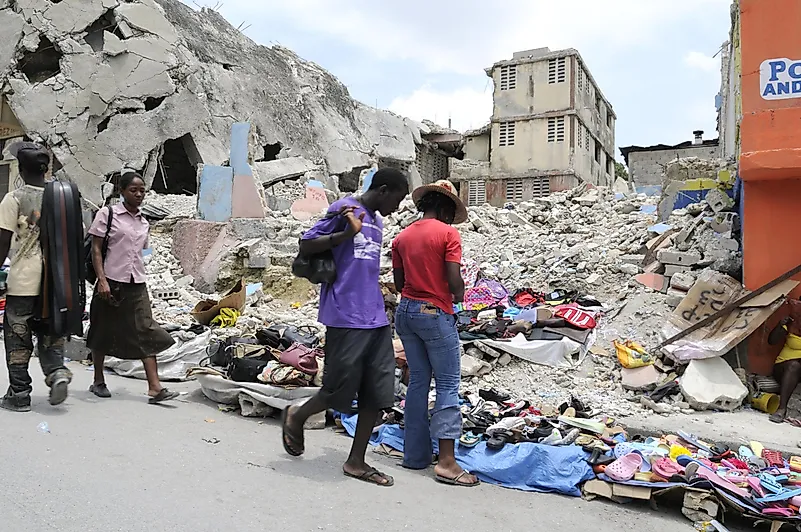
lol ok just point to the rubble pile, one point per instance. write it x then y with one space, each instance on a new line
590 241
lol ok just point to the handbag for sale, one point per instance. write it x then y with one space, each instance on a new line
279 374
221 351
246 369
283 336
301 358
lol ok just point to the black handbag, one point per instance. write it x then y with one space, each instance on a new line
246 369
220 352
318 268
283 336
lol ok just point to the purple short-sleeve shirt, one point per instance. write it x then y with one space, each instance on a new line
354 300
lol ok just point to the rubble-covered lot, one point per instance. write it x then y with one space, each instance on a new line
585 240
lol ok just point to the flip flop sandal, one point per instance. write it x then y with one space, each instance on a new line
786 495
745 452
756 464
385 450
455 481
292 444
666 468
795 464
779 512
756 486
773 458
163 396
757 448
370 475
469 440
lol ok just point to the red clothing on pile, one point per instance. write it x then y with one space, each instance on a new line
421 251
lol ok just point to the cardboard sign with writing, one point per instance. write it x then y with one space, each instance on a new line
710 294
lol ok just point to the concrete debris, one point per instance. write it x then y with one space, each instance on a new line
640 379
563 245
117 85
712 384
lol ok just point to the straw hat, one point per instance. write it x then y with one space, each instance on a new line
445 188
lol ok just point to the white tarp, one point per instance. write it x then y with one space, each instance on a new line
173 363
564 353
227 392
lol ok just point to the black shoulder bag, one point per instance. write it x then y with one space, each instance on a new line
91 274
318 268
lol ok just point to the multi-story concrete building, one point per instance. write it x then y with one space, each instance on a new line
551 129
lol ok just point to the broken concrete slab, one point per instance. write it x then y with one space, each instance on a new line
682 281
473 367
681 258
269 172
673 269
719 200
11 26
675 297
711 384
640 379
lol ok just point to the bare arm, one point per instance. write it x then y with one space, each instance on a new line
5 244
455 281
102 288
779 334
314 246
400 279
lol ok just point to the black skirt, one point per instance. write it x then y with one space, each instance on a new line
123 326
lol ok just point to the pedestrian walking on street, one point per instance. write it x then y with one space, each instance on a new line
121 320
20 212
359 357
426 261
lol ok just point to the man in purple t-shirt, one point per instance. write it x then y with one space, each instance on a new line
359 357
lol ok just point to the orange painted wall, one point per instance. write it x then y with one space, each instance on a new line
770 160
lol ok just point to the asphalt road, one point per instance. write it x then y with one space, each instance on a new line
122 465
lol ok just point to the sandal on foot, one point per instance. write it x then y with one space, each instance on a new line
370 476
456 481
162 396
100 390
293 445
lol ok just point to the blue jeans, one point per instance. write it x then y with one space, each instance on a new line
431 342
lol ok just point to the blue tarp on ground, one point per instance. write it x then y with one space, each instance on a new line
525 466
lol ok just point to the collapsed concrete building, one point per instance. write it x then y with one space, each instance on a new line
154 85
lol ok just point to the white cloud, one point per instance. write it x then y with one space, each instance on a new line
465 36
466 107
703 62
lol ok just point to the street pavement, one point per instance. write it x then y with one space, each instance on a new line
122 465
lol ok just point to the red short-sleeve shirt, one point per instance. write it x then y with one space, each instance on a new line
421 250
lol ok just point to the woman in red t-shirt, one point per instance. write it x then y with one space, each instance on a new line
426 259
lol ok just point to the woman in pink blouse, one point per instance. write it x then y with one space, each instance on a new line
121 321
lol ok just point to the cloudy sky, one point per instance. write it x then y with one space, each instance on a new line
655 60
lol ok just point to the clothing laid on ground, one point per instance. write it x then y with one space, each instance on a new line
63 290
422 251
20 211
431 342
123 326
126 240
791 350
19 325
359 361
354 300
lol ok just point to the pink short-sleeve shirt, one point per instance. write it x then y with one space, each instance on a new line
126 240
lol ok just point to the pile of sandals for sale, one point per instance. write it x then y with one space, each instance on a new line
279 355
